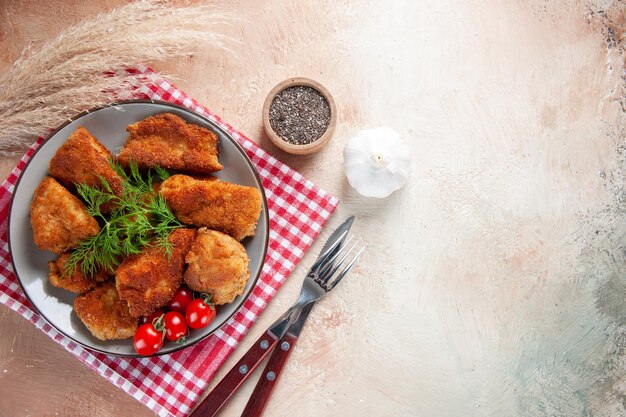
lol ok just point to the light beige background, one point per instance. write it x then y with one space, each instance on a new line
494 282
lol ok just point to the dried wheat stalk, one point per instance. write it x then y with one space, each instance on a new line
66 76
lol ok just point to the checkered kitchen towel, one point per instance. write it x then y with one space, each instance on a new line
171 384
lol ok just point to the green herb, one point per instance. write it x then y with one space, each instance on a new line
139 218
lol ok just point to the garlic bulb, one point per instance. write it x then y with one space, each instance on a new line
377 161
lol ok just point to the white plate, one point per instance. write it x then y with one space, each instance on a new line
108 124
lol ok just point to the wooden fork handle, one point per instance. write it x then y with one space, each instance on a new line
235 377
269 377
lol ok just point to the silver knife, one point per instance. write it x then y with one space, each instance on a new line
261 394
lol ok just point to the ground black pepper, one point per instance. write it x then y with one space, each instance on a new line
299 114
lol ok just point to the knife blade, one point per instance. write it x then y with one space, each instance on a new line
334 242
344 227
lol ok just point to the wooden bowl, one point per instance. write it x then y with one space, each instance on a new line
291 147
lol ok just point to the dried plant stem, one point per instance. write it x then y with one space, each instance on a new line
67 75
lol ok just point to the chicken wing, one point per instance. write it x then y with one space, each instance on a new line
60 220
105 315
230 208
168 141
218 265
76 282
82 159
149 280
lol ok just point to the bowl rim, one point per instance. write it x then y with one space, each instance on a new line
292 148
264 212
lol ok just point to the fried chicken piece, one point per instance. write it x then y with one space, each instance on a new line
218 265
149 279
82 159
230 208
76 282
168 141
105 315
60 220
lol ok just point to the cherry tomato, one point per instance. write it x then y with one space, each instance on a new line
150 319
181 300
200 312
175 326
149 338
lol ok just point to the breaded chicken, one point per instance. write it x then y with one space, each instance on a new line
230 208
59 219
149 280
218 265
82 159
105 315
168 141
76 282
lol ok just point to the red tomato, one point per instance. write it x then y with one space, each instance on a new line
148 339
200 313
181 300
175 326
150 319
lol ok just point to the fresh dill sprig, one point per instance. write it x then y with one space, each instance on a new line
139 218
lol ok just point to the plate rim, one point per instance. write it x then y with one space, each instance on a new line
215 125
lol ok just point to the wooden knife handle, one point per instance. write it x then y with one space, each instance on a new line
269 377
235 377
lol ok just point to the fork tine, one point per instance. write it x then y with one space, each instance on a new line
346 269
331 268
327 265
323 258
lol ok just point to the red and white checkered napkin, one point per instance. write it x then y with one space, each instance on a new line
171 384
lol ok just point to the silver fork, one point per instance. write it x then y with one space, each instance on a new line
323 276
